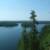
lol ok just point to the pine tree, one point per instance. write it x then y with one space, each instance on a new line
34 41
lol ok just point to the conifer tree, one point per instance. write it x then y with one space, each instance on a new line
34 40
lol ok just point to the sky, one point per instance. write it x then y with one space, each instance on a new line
20 9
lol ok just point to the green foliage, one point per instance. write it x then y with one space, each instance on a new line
34 39
21 44
45 38
33 14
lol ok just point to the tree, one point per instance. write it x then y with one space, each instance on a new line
34 22
34 42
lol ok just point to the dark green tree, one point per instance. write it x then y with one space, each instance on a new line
34 40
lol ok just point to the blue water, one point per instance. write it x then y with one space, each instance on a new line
9 37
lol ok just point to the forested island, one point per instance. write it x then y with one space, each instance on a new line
8 23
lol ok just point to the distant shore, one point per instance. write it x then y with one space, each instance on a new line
15 23
8 23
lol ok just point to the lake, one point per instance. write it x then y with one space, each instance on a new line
9 36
